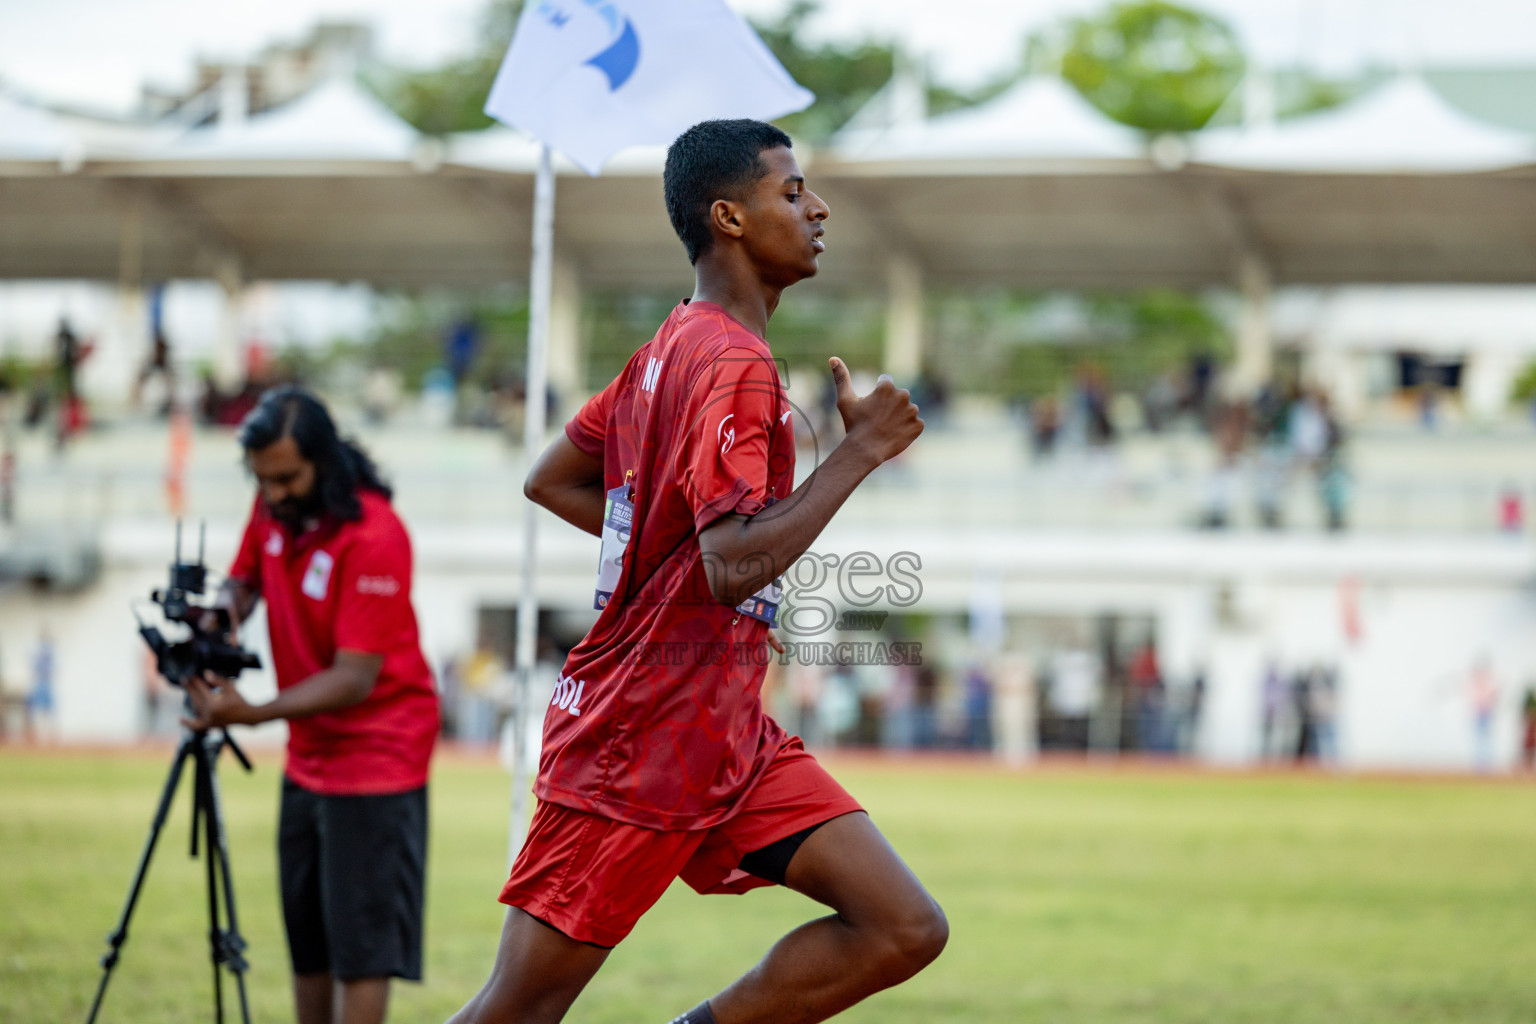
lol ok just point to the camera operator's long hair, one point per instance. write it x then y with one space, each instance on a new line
341 467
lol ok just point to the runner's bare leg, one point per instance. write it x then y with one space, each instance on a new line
538 974
885 929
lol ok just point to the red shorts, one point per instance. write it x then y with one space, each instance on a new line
592 877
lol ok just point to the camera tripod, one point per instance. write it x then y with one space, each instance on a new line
202 748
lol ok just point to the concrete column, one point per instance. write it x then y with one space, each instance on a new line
228 366
1255 341
567 358
903 318
107 375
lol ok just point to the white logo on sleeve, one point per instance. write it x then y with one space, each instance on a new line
275 542
785 418
727 438
317 578
379 586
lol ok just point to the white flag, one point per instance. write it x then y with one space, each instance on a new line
590 77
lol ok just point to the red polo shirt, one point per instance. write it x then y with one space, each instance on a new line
658 721
346 585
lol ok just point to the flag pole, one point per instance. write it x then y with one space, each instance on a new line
539 285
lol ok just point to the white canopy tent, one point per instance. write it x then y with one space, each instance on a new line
32 135
337 122
1401 127
1041 118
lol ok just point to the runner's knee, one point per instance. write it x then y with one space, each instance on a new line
912 941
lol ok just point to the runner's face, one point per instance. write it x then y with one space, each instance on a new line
286 480
784 221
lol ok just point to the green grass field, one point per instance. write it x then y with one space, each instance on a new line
1073 895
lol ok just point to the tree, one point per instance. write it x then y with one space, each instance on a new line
1153 65
452 98
843 76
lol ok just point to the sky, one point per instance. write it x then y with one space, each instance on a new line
97 53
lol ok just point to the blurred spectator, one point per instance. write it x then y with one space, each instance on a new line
1148 697
13 707
1194 704
804 686
872 685
1093 405
1324 698
479 681
1044 425
461 344
1332 476
1429 405
1272 469
381 394
1303 708
1528 730
1483 689
438 397
977 690
1014 730
898 726
1273 703
925 707
1511 510
157 367
40 721
1202 372
450 686
837 712
931 396
1229 429
1333 488
69 353
1160 402
1309 428
1076 682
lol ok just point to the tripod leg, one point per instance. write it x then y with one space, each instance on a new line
221 882
189 743
215 933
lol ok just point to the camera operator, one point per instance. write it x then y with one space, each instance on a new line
333 561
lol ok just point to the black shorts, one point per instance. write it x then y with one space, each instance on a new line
353 872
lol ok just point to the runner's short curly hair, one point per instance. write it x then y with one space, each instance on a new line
713 160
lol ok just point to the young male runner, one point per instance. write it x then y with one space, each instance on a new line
658 760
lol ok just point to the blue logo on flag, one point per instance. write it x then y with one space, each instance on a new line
619 61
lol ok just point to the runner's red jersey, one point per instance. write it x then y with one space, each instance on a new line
668 730
346 585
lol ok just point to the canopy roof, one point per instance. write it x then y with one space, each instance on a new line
1402 126
1041 118
1029 191
30 133
336 121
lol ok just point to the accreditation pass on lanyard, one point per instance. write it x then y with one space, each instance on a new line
618 518
764 605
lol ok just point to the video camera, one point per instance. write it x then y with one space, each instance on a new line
205 650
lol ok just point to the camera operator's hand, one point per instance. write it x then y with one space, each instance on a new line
217 703
209 621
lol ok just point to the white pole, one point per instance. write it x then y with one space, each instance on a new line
539 286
